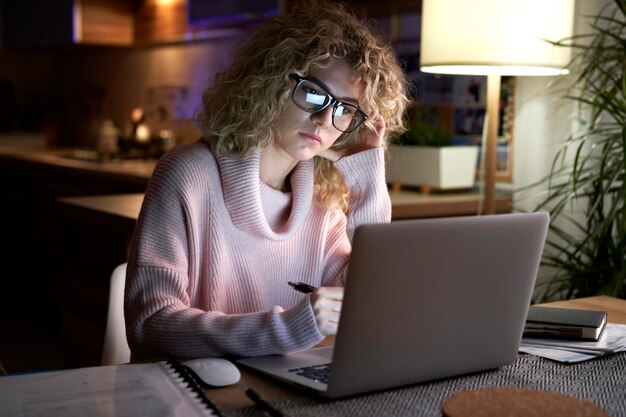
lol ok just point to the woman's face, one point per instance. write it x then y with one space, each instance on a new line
302 135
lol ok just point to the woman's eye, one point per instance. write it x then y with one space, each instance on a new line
315 98
348 110
311 90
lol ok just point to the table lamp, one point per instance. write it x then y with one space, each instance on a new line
494 38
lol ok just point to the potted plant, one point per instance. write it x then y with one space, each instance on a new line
422 156
586 194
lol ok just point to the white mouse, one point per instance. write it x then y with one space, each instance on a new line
215 372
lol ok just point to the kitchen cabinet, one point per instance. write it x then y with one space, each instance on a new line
198 20
235 12
157 23
37 23
56 270
179 21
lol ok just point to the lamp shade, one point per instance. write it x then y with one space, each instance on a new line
504 37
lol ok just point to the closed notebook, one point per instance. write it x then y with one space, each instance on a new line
566 323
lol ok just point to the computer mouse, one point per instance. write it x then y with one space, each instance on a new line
214 372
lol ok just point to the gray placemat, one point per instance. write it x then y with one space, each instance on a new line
601 381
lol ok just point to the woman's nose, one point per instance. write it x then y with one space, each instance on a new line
324 117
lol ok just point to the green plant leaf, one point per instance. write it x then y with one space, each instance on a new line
586 193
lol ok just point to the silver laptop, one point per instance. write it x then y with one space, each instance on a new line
424 300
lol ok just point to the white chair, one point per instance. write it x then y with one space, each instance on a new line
116 350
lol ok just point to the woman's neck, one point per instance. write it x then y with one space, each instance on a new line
274 171
278 184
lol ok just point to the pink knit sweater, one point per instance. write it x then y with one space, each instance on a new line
214 248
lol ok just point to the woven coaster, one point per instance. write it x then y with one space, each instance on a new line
517 402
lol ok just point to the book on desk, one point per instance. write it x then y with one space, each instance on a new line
567 323
152 389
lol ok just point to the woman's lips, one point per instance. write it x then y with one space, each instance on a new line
311 137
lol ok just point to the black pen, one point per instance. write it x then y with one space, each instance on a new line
302 287
262 404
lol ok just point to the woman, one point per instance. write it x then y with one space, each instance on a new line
291 162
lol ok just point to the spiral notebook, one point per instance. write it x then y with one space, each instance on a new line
154 389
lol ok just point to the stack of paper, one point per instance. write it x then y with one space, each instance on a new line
612 340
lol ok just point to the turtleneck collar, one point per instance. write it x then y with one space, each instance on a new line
242 195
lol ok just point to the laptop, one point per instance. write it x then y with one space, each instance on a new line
424 300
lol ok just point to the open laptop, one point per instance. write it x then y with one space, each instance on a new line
424 300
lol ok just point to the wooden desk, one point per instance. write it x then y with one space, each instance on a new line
616 307
233 397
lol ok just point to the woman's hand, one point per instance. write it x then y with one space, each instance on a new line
369 139
326 303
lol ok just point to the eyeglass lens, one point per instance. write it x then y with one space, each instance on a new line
312 98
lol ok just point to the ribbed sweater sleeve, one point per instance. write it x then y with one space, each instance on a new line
364 174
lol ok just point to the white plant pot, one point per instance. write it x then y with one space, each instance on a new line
435 167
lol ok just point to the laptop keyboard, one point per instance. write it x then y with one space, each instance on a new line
318 373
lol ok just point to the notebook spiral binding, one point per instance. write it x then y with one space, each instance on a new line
193 385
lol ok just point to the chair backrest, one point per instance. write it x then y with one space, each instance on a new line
116 350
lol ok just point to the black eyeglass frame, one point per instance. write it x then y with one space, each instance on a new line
332 102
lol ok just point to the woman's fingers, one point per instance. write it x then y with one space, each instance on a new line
374 138
368 139
326 303
330 293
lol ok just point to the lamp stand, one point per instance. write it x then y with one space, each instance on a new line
492 119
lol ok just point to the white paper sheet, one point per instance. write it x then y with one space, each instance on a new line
612 340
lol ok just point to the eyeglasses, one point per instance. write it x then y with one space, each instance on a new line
313 98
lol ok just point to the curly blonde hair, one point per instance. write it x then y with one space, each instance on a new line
242 106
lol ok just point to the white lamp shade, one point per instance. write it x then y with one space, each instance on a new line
505 37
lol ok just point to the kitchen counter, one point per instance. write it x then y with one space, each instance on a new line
80 162
123 209
410 204
406 203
